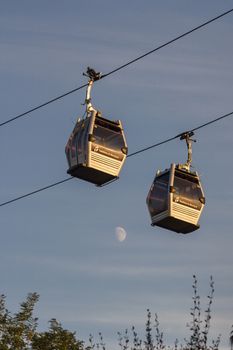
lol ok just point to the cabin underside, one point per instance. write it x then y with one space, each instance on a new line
92 175
177 225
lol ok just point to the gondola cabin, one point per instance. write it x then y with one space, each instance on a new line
96 149
176 200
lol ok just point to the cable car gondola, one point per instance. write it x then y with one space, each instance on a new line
176 199
96 149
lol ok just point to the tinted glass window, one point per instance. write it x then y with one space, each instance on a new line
158 199
80 141
67 150
107 124
73 146
187 191
108 138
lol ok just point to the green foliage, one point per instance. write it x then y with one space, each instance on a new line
56 338
19 331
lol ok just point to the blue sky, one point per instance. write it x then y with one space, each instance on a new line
61 242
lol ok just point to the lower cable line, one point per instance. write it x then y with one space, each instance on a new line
36 191
152 146
129 155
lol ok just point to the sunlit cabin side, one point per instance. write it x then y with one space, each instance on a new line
96 149
176 200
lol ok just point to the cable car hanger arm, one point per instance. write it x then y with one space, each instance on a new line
187 137
93 76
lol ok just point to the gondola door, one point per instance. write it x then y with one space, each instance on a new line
158 197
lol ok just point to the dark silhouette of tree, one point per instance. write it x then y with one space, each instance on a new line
199 329
231 338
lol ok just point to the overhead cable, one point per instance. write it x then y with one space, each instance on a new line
168 42
129 155
118 68
36 191
177 136
42 105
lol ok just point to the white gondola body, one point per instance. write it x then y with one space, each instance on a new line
96 150
176 203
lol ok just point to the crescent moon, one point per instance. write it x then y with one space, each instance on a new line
120 233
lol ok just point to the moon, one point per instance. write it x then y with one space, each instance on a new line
120 233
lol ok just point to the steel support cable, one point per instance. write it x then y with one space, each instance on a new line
119 68
129 155
42 105
169 42
212 121
36 191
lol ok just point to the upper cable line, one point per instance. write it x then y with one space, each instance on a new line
8 121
